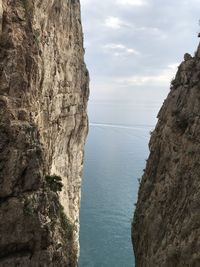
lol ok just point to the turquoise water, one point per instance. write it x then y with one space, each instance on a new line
116 149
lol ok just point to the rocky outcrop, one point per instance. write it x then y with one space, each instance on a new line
166 224
43 125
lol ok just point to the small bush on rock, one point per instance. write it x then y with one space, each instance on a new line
54 182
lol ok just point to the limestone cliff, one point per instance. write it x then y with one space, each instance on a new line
43 125
166 224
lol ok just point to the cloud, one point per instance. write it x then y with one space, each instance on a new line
173 66
135 42
132 2
85 2
160 79
120 49
114 23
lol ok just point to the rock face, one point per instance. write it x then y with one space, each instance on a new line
166 224
43 126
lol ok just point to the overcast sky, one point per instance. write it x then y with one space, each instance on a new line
133 47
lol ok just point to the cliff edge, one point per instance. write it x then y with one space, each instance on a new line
166 223
43 126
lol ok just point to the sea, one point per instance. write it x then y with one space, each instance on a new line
115 156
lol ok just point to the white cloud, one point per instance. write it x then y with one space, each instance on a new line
162 78
117 23
114 23
120 49
152 31
173 66
114 46
132 51
132 2
115 29
85 2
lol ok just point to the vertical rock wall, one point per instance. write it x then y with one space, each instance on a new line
43 126
166 224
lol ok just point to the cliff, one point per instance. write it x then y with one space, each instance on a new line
166 224
43 125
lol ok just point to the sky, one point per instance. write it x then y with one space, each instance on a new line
133 47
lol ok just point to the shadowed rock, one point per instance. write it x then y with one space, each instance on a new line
166 223
43 125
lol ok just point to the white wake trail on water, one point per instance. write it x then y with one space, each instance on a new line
138 131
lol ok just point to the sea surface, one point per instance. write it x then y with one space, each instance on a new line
115 156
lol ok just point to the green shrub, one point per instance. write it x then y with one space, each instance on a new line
28 6
66 224
36 35
173 81
28 209
54 182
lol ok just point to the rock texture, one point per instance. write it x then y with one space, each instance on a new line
166 226
43 125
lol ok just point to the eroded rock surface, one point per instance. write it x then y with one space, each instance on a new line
43 126
166 226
